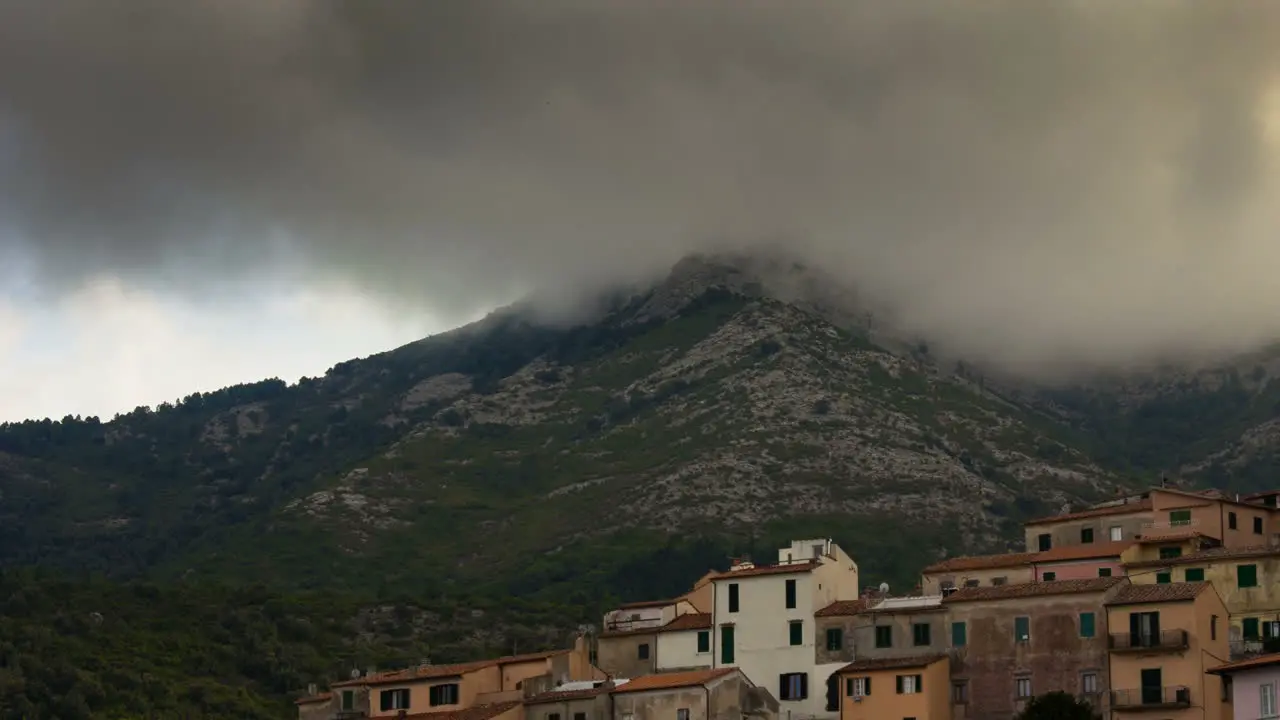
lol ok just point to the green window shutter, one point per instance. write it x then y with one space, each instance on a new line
1193 574
1250 628
1021 629
958 638
797 633
704 641
1167 553
1179 517
1086 535
1086 625
1246 576
726 644
1104 572
791 594
835 638
1164 578
1049 576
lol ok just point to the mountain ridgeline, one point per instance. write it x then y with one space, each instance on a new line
488 489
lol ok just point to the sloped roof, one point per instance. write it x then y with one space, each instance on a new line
843 608
1252 663
1085 551
688 621
1032 589
477 712
668 681
318 698
981 562
898 663
1159 593
429 672
783 569
1211 555
574 694
1171 537
648 604
1121 509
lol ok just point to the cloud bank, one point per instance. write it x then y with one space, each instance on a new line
1043 182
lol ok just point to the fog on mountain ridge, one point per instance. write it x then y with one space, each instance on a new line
1043 184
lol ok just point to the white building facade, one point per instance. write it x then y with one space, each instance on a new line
763 623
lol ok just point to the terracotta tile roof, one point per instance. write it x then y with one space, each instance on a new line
667 681
1211 555
784 569
1167 592
1216 495
1032 589
980 562
1143 505
429 672
1257 662
563 695
322 697
872 664
477 712
688 621
1087 551
843 608
646 630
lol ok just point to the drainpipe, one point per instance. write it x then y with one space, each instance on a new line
707 691
714 629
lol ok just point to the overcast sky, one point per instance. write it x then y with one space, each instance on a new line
200 192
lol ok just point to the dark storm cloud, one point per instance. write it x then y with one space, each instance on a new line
1033 179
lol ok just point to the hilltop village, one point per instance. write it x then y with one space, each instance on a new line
1165 601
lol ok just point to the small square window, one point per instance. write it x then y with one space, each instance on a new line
884 636
1104 572
1086 535
1117 533
1049 576
643 651
920 634
1246 576
579 716
682 714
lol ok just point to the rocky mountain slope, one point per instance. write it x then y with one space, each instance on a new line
733 405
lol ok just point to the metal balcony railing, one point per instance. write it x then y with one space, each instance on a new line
1171 524
1176 696
1137 642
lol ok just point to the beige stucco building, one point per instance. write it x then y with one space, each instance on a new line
912 686
1164 639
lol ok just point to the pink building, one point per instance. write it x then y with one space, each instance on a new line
1252 685
1080 562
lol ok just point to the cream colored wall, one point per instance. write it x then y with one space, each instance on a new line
679 650
700 595
884 703
836 579
1262 602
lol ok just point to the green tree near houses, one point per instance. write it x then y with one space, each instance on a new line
1058 706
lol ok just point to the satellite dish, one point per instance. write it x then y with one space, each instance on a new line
355 673
884 587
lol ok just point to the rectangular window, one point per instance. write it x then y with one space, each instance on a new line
1117 533
1231 521
958 635
1144 629
1164 578
733 597
920 634
857 687
1179 517
960 692
1086 625
835 639
797 632
583 716
884 636
726 644
1022 688
442 695
1267 700
642 651
793 686
553 716
998 581
1168 553
1086 535
910 684
348 699
682 714
1257 526
394 699
1044 542
1022 629
791 594
1270 629
704 641
1246 576
1050 576
972 583
1089 683
1249 628
1104 572
1193 575
1213 627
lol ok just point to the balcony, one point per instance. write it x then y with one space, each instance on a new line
350 715
1151 698
1164 641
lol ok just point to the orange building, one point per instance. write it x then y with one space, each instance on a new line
916 687
1163 640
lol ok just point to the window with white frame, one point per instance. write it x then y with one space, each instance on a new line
908 684
1089 683
682 714
1117 533
1267 699
1022 688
